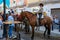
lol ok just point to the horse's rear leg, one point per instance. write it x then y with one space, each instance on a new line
48 32
32 37
28 29
45 31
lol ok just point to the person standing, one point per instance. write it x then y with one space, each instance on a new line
10 18
1 23
56 20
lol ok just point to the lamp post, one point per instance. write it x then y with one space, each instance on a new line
4 10
4 18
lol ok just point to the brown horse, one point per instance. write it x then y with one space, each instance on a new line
32 19
19 18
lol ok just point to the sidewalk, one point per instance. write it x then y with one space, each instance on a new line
1 33
55 32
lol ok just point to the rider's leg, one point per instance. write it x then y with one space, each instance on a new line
40 15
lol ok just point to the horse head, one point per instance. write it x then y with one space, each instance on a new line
21 16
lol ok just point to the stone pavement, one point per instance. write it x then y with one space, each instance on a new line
37 36
55 35
55 32
1 33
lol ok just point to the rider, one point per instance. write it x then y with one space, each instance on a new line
40 11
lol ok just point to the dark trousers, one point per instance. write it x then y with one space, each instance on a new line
40 15
10 31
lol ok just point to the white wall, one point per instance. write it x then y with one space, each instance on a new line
27 9
48 7
33 1
21 2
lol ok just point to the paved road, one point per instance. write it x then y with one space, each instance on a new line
37 36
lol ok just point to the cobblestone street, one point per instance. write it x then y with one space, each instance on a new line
37 36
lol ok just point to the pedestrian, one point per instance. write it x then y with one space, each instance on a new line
56 20
1 23
10 18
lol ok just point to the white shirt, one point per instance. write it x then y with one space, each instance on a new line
10 18
1 23
56 20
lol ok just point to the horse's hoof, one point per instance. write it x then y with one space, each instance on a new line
44 34
31 38
48 36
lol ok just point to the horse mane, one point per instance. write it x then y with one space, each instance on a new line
30 13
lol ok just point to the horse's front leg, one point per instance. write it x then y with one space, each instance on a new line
32 37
